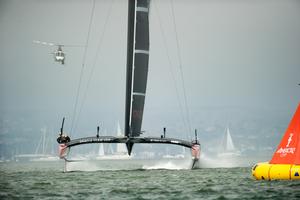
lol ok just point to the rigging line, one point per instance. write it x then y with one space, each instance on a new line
83 64
180 67
172 72
100 42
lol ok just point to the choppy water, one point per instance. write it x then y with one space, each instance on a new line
46 180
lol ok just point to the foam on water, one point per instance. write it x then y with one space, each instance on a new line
133 164
102 165
82 166
169 165
219 162
206 161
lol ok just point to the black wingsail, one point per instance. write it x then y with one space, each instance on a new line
137 65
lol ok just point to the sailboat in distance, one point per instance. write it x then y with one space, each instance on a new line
119 154
121 148
227 146
136 82
42 151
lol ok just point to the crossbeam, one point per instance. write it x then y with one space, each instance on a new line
65 143
126 140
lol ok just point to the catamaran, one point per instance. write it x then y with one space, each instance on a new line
136 81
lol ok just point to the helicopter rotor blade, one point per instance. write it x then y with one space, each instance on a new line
53 44
44 43
71 45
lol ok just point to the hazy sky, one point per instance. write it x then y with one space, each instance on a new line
235 53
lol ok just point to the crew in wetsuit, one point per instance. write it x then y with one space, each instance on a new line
63 139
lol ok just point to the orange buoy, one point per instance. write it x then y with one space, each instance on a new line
285 163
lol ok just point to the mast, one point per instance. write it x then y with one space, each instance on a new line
137 65
130 43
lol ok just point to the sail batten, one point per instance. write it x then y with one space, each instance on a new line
142 9
141 51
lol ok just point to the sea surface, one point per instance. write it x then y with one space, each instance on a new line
46 180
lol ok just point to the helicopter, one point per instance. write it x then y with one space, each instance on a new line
59 55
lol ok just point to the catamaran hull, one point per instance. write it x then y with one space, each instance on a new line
195 150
